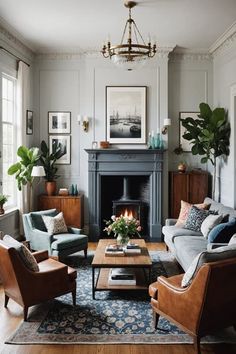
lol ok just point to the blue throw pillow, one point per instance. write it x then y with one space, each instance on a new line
222 233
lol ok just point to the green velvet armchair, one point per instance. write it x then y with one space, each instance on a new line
59 245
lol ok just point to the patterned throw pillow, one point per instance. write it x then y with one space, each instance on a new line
195 218
184 211
55 225
24 253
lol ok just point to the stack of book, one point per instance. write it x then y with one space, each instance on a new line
132 248
114 250
122 276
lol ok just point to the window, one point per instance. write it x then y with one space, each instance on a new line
8 138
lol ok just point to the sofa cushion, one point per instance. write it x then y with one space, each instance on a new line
187 248
64 241
25 254
210 222
56 224
220 208
195 218
184 211
215 255
222 233
170 232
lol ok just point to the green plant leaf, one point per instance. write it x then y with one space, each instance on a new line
204 160
205 111
14 168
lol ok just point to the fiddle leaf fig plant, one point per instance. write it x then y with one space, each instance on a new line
209 135
48 159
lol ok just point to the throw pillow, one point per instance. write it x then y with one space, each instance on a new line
214 255
184 211
24 253
195 218
37 220
55 225
222 233
232 240
210 222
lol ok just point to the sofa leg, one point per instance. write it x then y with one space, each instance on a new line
155 319
197 348
25 313
74 297
85 253
6 300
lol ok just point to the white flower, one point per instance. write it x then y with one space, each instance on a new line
113 217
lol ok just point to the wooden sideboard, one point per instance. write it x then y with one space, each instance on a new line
190 186
71 206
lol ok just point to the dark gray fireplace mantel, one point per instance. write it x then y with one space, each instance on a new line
125 162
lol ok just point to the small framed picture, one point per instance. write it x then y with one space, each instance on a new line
65 141
59 122
185 144
126 114
29 122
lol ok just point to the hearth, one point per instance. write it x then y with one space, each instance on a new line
107 170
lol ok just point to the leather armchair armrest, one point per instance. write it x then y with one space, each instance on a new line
172 283
153 289
170 222
40 256
74 230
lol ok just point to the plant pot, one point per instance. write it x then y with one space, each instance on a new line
2 211
182 167
51 187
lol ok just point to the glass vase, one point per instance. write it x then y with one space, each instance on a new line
122 240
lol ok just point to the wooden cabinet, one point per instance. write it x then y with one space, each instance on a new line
71 206
190 186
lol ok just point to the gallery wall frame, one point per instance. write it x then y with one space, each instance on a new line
59 122
126 114
29 122
65 141
185 144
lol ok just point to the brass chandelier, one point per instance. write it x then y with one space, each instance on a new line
132 52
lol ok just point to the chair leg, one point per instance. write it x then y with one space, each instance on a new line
167 248
85 253
74 297
155 319
25 313
6 300
197 348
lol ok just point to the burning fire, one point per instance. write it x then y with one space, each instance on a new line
128 214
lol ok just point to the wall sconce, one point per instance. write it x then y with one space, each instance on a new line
167 123
85 122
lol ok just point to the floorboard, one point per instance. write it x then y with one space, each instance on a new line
11 317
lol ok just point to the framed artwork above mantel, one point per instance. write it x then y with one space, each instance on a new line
126 109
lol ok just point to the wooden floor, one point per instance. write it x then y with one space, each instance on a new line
10 319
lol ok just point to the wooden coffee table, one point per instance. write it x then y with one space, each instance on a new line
141 262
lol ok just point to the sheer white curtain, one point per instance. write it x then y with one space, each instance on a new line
22 99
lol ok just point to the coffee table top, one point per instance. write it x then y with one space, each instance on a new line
129 260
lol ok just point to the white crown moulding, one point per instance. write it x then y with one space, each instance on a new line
225 40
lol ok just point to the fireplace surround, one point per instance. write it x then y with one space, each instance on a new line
125 163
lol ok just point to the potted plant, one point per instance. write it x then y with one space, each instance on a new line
23 168
48 161
209 135
3 200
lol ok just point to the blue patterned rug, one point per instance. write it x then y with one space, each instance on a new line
114 317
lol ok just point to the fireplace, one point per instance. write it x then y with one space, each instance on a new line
121 180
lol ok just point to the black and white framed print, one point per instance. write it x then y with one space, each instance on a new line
185 144
29 122
59 122
126 114
65 141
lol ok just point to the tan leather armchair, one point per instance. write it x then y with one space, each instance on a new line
29 288
207 305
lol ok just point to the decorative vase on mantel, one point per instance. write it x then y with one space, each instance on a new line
122 240
2 211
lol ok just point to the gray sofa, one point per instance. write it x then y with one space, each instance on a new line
186 244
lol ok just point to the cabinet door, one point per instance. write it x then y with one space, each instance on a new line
198 187
49 203
179 190
73 211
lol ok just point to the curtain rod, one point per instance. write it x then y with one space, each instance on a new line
19 59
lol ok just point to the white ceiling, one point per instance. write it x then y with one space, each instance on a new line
66 25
